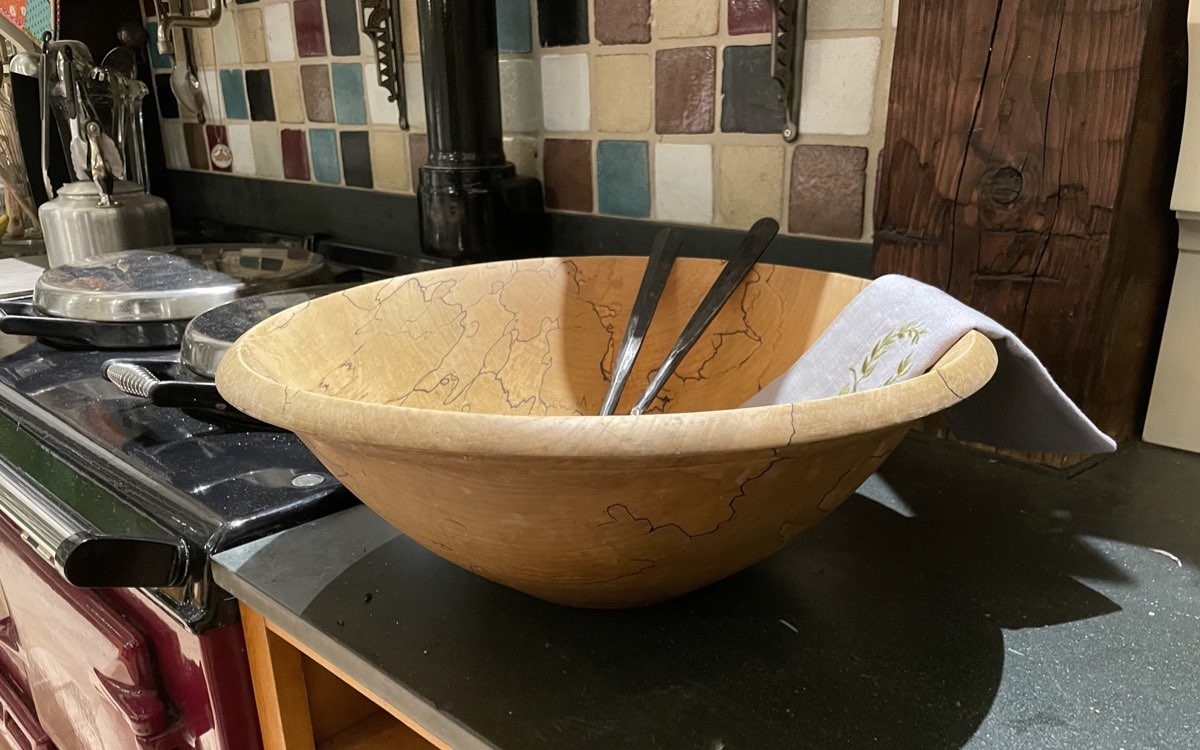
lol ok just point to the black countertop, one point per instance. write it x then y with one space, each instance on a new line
955 601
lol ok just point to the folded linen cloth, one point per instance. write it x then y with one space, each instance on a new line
897 328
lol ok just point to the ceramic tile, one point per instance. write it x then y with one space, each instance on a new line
295 154
622 93
418 150
566 99
174 146
676 19
216 135
525 154
157 61
623 178
356 158
838 96
210 88
685 90
268 156
895 12
289 101
323 149
414 85
344 27
318 95
233 91
241 142
750 184
203 49
749 96
410 35
348 102
382 111
197 145
310 28
389 161
752 16
824 15
514 25
622 21
827 191
520 96
562 23
225 39
258 91
683 182
567 167
281 34
252 39
168 106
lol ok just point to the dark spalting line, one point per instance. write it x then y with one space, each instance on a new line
389 223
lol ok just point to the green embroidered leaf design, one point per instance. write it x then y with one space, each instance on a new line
911 332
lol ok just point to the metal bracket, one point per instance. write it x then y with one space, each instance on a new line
787 59
381 22
171 15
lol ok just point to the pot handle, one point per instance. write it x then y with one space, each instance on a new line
133 379
138 380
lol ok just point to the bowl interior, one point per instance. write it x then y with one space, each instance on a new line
538 337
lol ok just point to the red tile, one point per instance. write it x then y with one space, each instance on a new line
685 83
149 6
749 16
568 171
221 160
827 191
310 28
295 154
622 21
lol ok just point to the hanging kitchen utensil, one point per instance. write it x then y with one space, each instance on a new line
747 254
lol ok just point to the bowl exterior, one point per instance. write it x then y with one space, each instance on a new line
608 532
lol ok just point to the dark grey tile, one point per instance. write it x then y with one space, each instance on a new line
342 18
562 23
749 96
258 91
356 159
168 106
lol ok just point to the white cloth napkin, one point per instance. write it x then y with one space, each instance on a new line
897 328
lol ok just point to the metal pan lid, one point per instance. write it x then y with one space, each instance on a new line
133 285
262 268
210 334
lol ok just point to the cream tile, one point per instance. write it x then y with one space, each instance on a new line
241 142
525 154
520 96
750 185
414 88
281 34
289 100
225 39
895 12
252 40
214 100
174 145
268 155
389 161
566 98
683 182
410 37
839 85
675 19
203 48
380 110
621 103
824 15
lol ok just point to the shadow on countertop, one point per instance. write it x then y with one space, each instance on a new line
879 628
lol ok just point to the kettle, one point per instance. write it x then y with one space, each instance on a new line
98 114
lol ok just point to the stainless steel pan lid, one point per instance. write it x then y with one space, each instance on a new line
133 285
210 334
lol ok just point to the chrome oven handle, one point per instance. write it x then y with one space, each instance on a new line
43 524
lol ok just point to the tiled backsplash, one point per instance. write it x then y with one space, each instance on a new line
659 109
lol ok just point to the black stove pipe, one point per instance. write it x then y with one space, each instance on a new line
473 206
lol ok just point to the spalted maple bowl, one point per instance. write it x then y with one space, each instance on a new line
459 405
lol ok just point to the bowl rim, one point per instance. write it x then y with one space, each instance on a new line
965 368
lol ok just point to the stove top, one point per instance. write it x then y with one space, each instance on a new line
123 470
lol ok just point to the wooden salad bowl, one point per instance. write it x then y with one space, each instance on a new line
459 405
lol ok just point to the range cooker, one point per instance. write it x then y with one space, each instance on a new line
112 633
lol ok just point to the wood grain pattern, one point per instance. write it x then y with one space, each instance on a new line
1027 169
455 404
279 687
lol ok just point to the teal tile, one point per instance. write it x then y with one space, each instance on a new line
348 101
157 61
623 178
323 143
233 91
514 25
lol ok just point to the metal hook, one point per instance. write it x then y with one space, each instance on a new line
787 59
381 22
